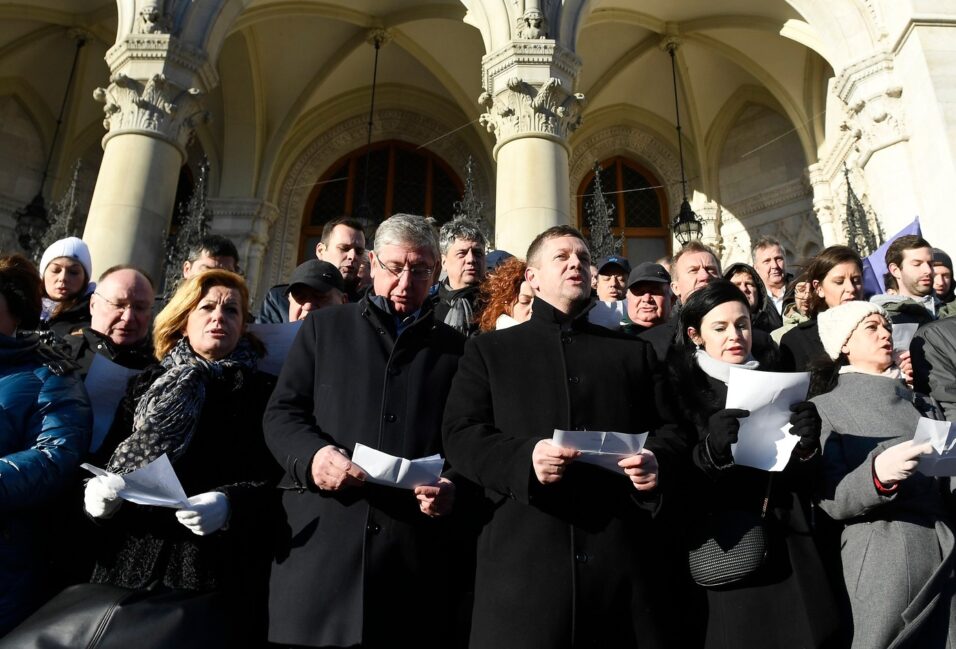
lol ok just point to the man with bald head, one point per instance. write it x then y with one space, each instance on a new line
121 311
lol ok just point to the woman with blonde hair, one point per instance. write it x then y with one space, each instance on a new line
505 297
202 407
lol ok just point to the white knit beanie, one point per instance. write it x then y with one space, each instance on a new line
837 324
71 247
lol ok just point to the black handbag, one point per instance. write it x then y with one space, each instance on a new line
729 545
100 616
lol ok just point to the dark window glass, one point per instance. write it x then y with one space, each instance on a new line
444 194
408 194
642 209
330 202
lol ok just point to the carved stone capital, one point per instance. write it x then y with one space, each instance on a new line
156 107
535 61
526 110
142 55
871 93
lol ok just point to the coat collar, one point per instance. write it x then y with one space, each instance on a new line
543 312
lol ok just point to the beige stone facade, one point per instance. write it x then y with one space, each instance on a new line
775 97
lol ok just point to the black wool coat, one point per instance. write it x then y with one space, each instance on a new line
801 348
362 565
575 563
140 545
787 603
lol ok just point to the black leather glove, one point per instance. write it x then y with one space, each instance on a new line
722 429
806 425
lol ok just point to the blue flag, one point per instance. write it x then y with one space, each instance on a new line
874 266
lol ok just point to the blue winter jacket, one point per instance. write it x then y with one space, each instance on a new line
45 422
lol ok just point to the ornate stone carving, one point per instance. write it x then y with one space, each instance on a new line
156 107
532 25
536 61
524 109
153 19
140 55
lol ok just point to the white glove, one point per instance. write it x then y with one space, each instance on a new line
209 512
898 462
101 498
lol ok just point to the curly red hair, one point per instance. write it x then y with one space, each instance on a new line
499 292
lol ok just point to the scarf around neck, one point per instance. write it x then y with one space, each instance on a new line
166 416
720 370
891 372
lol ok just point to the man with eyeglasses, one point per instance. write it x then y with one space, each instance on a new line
121 311
375 372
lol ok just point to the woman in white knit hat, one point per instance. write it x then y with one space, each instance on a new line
66 268
898 546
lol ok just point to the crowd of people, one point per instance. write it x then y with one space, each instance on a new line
429 344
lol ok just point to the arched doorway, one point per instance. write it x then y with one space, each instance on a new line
401 178
640 207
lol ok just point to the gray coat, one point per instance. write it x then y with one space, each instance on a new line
898 549
934 363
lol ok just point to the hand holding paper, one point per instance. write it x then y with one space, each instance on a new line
899 461
641 469
603 448
436 499
101 498
333 471
153 484
206 513
763 441
549 460
384 469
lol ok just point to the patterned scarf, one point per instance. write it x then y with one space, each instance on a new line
166 416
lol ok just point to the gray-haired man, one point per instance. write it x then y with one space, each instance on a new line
462 247
347 542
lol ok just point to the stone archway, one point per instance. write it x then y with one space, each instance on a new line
341 139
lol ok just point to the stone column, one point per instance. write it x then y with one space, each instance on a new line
530 107
247 222
151 107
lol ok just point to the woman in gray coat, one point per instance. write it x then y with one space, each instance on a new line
898 544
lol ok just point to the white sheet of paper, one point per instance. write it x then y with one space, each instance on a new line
903 336
154 484
384 469
607 314
106 384
764 441
603 448
278 339
942 462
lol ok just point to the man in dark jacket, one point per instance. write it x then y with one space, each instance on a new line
121 310
463 260
569 555
358 563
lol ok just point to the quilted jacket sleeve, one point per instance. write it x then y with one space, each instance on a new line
55 421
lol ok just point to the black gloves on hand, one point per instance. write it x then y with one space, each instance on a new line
722 429
806 425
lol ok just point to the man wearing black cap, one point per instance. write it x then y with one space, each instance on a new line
314 285
612 277
942 275
649 297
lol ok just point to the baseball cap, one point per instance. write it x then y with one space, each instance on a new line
316 274
614 259
648 272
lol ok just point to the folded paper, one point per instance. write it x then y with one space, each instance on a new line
154 484
602 448
384 469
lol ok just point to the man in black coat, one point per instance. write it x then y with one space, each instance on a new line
569 556
360 564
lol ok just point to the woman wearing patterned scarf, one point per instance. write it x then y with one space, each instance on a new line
201 406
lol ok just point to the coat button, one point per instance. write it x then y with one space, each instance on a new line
392 371
390 418
373 528
567 340
574 380
581 557
380 332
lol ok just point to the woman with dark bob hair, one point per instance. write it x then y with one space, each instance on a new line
44 433
835 277
783 599
202 406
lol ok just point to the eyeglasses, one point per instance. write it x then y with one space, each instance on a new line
417 273
141 308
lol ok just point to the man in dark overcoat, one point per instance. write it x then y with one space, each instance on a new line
570 554
359 563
